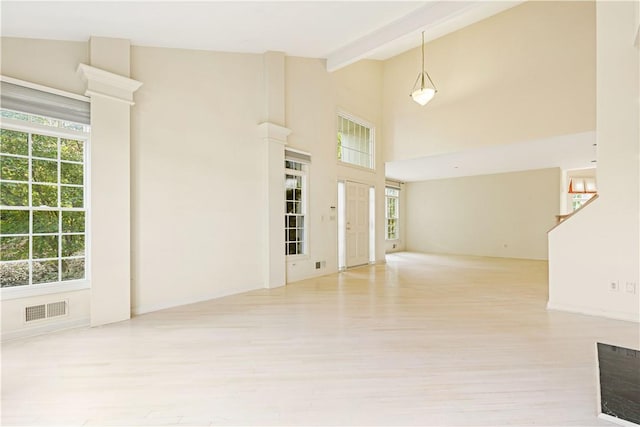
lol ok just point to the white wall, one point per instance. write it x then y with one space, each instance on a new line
502 215
522 75
197 163
197 175
600 244
52 64
311 111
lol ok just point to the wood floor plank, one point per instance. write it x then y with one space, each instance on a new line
422 340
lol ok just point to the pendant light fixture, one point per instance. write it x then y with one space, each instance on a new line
423 89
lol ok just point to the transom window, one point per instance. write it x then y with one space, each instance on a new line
355 142
392 196
42 202
295 208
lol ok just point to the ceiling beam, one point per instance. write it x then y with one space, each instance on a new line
437 18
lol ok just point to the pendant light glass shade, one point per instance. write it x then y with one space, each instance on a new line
423 95
423 89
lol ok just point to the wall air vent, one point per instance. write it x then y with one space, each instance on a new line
56 309
44 311
35 312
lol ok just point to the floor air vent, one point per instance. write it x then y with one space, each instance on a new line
44 311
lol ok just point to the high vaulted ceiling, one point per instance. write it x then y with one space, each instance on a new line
343 31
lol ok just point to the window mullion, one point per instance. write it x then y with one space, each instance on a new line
59 210
29 203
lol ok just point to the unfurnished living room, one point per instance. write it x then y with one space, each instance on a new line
320 213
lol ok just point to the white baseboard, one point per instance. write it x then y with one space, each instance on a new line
136 311
45 328
617 420
616 315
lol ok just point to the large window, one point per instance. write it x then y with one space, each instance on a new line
295 208
42 200
392 197
355 142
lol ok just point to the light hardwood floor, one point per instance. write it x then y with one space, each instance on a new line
422 340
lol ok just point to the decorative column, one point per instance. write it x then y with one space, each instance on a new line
274 134
109 182
275 266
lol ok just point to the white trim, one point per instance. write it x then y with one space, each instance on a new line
355 119
295 150
346 179
46 328
44 88
304 174
290 155
136 311
372 136
31 290
354 166
617 315
617 420
109 85
26 291
297 257
386 213
89 73
273 132
24 126
93 94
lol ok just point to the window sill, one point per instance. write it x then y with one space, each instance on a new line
44 289
354 166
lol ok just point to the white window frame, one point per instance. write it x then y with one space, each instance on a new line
372 141
303 173
387 197
29 290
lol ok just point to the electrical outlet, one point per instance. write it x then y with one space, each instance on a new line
632 287
614 286
317 265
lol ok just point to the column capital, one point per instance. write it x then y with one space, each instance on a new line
108 85
273 132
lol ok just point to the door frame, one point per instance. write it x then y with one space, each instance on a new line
341 223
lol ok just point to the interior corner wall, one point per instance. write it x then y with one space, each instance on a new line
53 64
311 111
501 215
521 75
197 176
600 246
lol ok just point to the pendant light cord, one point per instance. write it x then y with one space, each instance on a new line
422 78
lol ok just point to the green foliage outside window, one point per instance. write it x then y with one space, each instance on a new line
42 216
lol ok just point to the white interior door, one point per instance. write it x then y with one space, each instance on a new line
357 224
